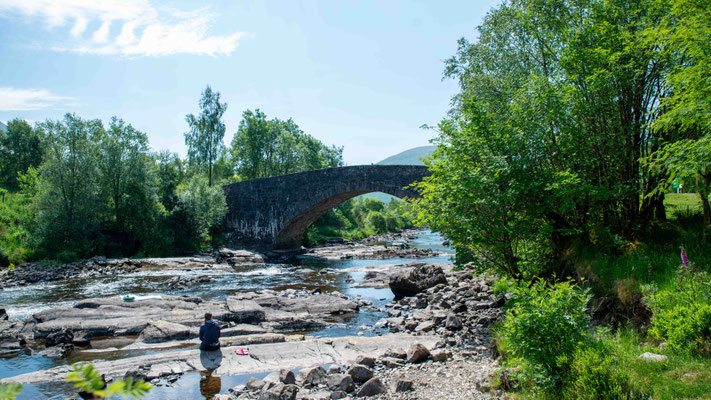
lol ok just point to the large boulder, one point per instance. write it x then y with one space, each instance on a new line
279 391
287 377
342 382
239 256
416 280
360 373
372 388
417 353
164 331
309 377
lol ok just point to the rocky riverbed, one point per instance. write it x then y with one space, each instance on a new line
286 322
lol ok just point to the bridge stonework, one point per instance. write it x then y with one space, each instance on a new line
268 213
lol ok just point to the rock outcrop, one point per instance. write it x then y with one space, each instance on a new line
416 280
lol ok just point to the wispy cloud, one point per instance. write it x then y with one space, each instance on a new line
131 28
13 99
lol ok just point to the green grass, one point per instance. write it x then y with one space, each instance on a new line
680 203
614 269
682 377
655 256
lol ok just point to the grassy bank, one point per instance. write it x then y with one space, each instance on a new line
636 297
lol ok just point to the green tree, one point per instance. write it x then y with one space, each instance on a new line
204 139
204 205
127 181
546 135
264 148
253 136
68 195
684 35
21 148
170 173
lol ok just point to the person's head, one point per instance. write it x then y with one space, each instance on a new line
208 316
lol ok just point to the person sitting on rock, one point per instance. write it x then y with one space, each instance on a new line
209 334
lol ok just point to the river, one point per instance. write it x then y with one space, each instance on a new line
21 302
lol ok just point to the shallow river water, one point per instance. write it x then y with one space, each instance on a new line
22 302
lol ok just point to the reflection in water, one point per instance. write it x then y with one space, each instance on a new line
210 386
210 359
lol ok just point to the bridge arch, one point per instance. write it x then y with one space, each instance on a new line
274 212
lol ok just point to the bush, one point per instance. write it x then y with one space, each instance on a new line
545 325
594 375
376 222
204 205
502 285
682 313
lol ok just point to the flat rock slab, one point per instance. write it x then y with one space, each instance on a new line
363 251
111 316
261 358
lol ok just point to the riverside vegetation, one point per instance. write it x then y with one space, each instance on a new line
74 188
552 170
573 121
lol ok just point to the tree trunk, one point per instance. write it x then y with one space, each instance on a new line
703 196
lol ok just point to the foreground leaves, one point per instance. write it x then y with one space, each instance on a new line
87 379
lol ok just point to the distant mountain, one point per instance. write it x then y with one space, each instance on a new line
3 127
413 156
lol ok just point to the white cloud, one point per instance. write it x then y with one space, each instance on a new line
79 26
146 30
12 99
102 34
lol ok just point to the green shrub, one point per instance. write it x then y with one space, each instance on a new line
594 374
545 325
376 222
502 285
682 313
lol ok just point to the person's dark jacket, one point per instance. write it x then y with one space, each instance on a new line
209 336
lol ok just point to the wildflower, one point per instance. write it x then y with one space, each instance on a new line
684 260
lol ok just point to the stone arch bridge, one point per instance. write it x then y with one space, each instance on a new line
268 213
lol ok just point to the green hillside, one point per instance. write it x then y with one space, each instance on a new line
412 156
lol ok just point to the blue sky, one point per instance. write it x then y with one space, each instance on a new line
360 74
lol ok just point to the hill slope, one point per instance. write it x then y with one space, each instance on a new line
412 156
